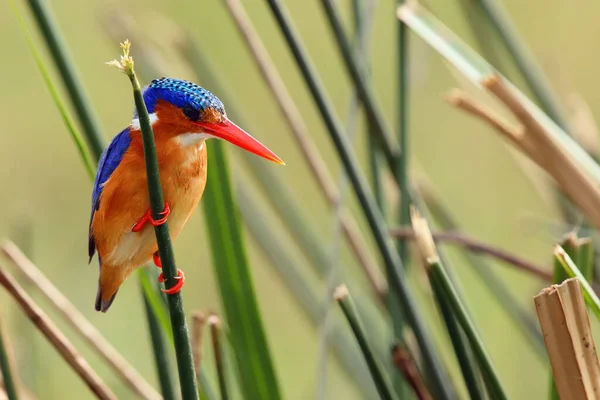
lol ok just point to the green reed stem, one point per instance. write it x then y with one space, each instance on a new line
460 343
183 348
7 376
365 93
159 346
377 224
383 387
66 67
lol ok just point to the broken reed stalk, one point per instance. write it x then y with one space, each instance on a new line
405 364
183 348
441 281
514 134
56 337
477 246
77 320
564 320
6 368
573 272
573 179
215 338
198 322
342 296
307 146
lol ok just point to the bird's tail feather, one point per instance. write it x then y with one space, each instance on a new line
102 305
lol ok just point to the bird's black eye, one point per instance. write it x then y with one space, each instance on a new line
191 113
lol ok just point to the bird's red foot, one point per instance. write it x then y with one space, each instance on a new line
161 278
154 222
157 260
177 287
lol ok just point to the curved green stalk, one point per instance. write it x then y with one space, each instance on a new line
183 348
66 68
397 279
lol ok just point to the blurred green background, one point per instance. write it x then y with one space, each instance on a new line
45 196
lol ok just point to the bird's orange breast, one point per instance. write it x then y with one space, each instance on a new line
125 198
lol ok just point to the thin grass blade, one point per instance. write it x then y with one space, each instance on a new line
590 296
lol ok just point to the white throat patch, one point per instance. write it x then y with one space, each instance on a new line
191 139
135 123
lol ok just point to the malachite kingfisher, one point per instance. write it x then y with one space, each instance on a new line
121 228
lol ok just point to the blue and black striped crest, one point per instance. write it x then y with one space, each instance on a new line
181 94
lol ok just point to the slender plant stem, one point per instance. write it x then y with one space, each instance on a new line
358 73
66 67
529 68
64 112
307 146
459 343
198 322
5 368
291 271
383 387
487 369
403 125
183 348
161 357
55 336
77 321
215 336
369 206
478 246
333 273
406 365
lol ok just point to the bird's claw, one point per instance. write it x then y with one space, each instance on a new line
157 260
177 287
180 278
154 222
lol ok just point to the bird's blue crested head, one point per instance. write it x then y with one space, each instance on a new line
196 102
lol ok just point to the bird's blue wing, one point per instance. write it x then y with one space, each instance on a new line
110 159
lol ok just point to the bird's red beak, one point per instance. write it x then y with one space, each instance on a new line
229 131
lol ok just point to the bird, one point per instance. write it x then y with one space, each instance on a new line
121 228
